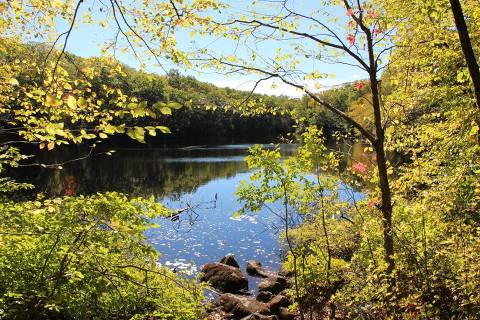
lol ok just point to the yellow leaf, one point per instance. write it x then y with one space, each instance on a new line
164 129
50 145
81 102
137 133
52 101
13 82
166 110
71 102
115 222
152 132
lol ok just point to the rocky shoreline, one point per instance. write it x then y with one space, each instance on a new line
235 302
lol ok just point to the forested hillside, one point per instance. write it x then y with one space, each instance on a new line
202 112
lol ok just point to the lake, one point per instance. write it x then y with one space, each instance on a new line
202 179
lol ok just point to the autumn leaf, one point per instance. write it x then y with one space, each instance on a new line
359 167
351 39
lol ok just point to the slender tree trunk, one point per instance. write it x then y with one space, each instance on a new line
386 206
325 234
381 160
468 52
292 250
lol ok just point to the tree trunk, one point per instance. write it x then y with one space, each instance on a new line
467 49
386 206
381 160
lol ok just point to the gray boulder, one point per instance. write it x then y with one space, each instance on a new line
277 303
255 269
246 306
284 314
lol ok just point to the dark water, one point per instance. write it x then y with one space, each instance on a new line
201 178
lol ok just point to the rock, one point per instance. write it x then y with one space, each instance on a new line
277 302
254 268
224 278
284 314
286 273
274 285
229 260
264 296
280 279
257 316
242 306
218 315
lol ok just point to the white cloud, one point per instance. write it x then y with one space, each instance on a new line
277 87
264 87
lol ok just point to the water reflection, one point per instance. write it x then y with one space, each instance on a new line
140 172
215 231
201 178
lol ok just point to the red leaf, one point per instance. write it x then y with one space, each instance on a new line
350 12
372 204
359 167
351 39
359 85
372 14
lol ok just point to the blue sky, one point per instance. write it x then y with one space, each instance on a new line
86 40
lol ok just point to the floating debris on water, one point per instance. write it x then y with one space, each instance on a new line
180 266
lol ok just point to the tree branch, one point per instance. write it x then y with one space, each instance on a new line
69 31
304 35
367 134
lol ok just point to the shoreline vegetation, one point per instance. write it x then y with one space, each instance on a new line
409 249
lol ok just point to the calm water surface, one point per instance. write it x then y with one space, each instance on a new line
201 178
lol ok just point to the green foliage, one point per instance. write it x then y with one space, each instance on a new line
430 119
303 188
69 106
77 257
86 257
275 176
344 97
216 112
116 99
10 157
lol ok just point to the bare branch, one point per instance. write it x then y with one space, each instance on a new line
341 46
367 134
115 2
179 14
253 89
69 31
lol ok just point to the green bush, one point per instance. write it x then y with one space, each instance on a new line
87 258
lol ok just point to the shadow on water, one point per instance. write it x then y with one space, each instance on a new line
138 172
